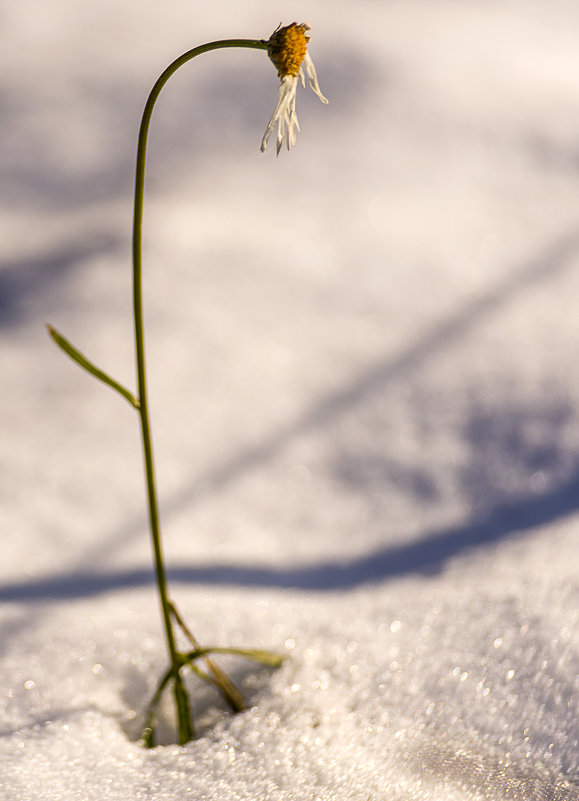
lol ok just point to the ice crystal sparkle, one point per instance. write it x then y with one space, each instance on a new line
287 49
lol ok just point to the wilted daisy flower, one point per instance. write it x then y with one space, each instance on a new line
287 48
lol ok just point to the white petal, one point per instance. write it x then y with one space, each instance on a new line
312 77
284 115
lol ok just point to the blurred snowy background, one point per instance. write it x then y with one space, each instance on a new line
363 367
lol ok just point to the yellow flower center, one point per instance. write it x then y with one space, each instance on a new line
287 48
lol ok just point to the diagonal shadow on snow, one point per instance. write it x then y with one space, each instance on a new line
545 266
555 259
427 555
26 282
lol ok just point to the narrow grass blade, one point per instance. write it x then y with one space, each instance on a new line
186 727
218 677
148 732
265 658
231 694
91 368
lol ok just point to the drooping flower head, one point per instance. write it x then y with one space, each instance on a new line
287 49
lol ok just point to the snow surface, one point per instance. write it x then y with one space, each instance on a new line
363 365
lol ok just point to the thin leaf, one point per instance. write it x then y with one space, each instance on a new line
91 368
148 732
266 658
231 694
186 724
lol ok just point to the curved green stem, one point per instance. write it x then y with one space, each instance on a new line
185 728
